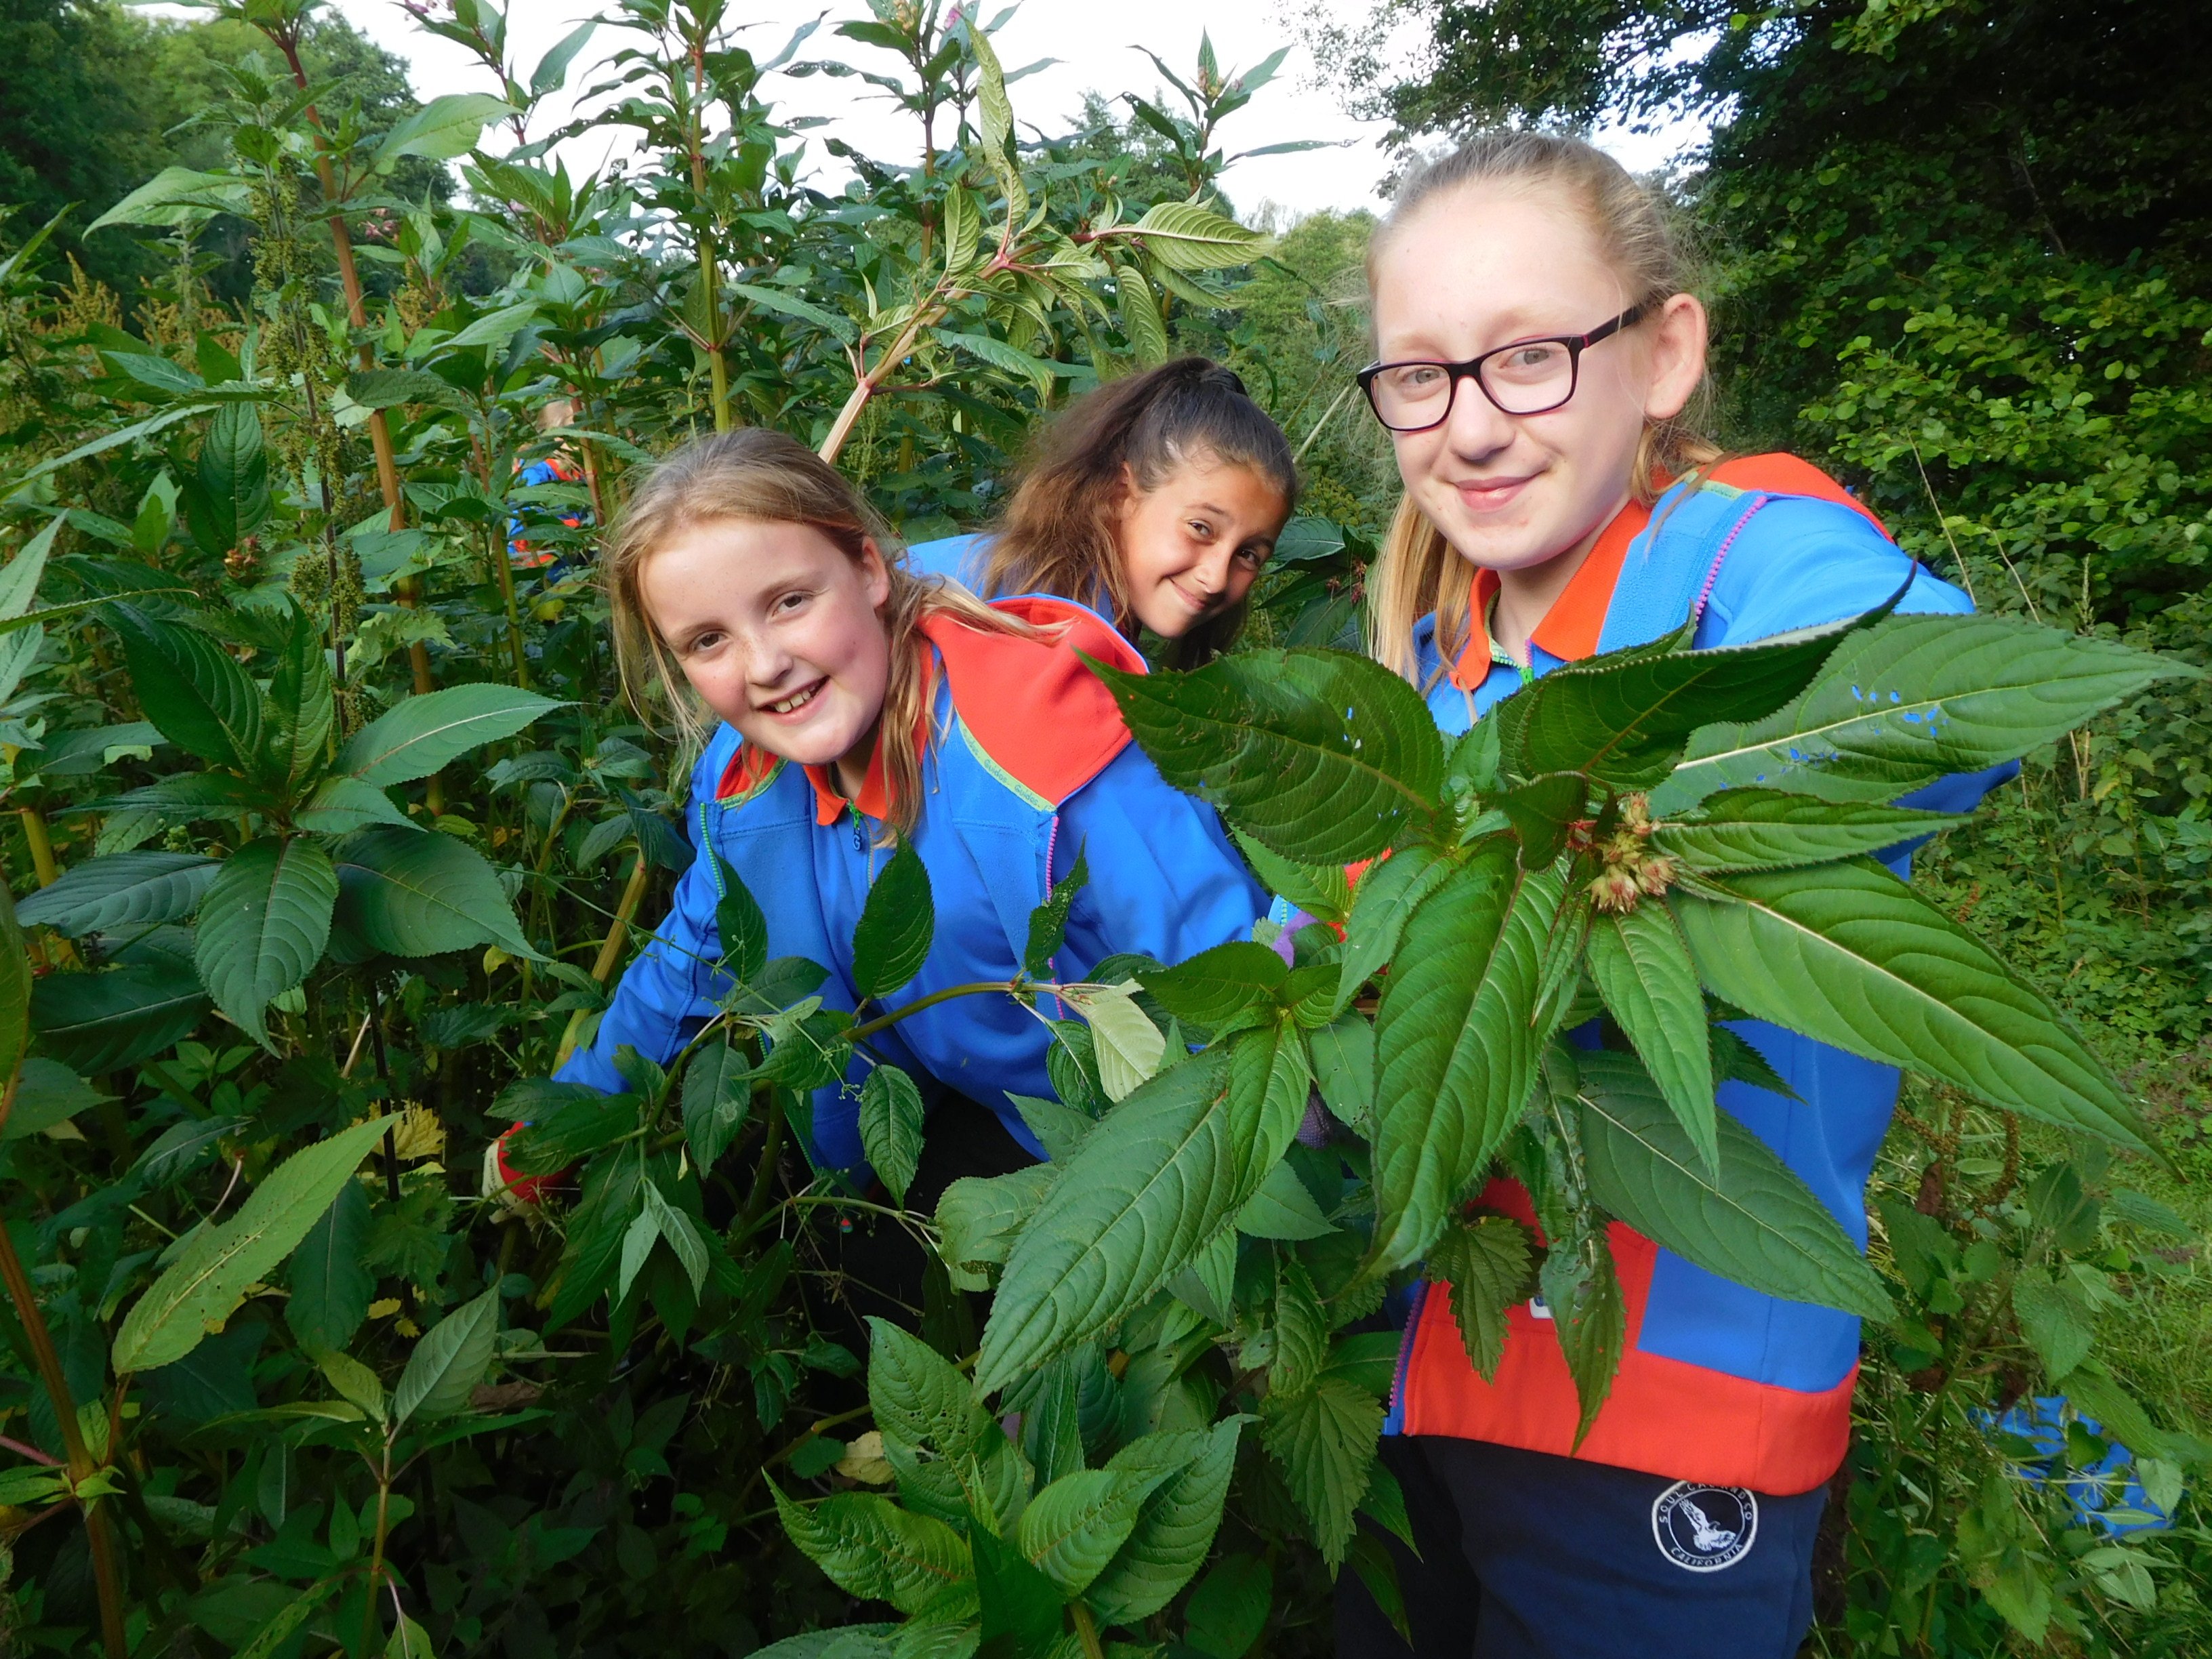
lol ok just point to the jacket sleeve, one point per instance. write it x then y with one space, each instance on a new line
668 992
1165 880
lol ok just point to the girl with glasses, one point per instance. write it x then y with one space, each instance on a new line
1541 364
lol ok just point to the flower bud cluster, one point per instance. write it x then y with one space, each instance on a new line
1629 870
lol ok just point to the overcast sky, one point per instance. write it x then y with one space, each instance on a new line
1094 39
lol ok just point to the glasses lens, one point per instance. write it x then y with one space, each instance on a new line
1530 379
1410 395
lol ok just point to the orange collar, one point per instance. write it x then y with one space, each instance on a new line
873 800
1570 628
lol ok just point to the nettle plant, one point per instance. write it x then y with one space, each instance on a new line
1652 845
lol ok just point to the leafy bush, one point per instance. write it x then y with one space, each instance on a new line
340 836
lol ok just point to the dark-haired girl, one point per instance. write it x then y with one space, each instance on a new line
1155 501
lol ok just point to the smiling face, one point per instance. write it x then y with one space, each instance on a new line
1484 265
779 632
1192 546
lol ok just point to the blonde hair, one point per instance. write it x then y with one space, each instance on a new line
1417 571
761 475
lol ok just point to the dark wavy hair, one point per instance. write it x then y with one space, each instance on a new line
1056 533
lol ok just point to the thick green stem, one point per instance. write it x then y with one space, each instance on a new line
376 1551
978 989
1086 1630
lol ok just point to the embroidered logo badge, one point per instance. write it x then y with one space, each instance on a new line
1705 1529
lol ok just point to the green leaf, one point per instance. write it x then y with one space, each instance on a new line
918 1397
103 1022
1642 968
1073 1528
1020 1608
114 438
446 127
1388 895
1541 812
718 1092
891 941
176 195
339 806
1155 1181
1301 1328
1344 1068
1282 1208
1059 1127
1755 1222
567 1126
209 1277
1324 1440
18 582
448 1362
1128 1046
1214 987
46 1093
1184 236
1582 1290
680 1233
1321 755
1322 891
1048 922
979 1218
890 1127
191 691
1456 1041
420 893
302 705
995 127
1624 717
233 475
394 388
262 926
785 303
596 1228
1229 1609
1767 829
553 68
871 1548
739 924
2055 1319
1489 1265
124 892
1850 956
1138 308
422 734
1208 1285
1175 1529
331 1283
1912 699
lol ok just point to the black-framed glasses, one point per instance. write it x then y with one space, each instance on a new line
1530 377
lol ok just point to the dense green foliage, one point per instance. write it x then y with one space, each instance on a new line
333 835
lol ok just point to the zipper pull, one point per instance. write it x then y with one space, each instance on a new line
860 841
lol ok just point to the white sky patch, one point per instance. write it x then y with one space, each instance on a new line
1097 47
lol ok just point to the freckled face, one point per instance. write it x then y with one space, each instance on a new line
1192 547
778 631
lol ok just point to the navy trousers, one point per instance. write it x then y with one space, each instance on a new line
1524 1555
